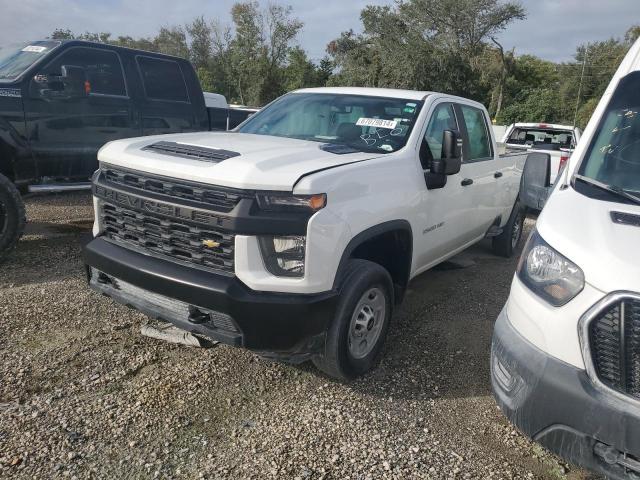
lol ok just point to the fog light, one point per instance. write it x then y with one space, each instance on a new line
284 256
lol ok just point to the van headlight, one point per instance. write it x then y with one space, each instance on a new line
548 273
284 255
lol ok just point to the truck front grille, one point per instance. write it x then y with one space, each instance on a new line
614 343
178 240
220 199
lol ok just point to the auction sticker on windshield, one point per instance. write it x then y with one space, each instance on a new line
34 48
376 122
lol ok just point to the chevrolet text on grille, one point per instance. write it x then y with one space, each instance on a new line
157 207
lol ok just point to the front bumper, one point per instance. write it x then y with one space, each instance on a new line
285 326
558 406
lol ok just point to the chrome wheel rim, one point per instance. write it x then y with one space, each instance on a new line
366 323
517 231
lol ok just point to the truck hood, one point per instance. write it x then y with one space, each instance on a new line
581 228
264 162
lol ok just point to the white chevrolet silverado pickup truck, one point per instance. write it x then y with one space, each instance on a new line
565 360
558 141
296 234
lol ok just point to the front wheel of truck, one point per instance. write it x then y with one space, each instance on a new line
356 337
12 216
507 242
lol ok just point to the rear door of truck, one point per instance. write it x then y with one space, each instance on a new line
482 173
171 103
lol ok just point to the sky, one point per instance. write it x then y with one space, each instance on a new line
553 28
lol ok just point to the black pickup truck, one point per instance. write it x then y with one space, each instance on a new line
60 101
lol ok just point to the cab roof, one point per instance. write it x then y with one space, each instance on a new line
418 95
370 92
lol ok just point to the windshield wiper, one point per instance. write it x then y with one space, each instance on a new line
609 188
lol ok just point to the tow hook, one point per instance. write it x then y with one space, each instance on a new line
614 457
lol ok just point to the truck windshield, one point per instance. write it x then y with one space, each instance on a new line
542 138
15 60
613 158
358 122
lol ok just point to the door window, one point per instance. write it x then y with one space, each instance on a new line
443 118
163 79
477 130
101 70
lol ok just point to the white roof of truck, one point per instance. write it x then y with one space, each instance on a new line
385 92
371 92
549 126
215 100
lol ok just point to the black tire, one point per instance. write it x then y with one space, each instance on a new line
12 216
338 360
507 242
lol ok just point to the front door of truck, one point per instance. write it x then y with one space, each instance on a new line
444 213
75 104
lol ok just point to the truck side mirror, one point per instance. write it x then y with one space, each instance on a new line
536 180
451 160
75 81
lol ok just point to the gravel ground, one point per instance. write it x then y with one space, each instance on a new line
84 395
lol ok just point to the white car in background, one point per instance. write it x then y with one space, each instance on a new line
556 140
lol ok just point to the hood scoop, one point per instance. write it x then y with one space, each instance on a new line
191 152
337 148
625 219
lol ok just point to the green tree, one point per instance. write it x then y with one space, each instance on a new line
172 41
422 44
200 33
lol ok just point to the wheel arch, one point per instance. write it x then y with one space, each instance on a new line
389 244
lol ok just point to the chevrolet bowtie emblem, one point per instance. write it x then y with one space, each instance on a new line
210 243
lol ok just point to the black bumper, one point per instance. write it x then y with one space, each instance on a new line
286 326
558 406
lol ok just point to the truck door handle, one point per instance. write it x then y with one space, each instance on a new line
466 182
497 174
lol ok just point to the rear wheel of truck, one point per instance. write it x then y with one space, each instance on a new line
507 242
355 339
12 216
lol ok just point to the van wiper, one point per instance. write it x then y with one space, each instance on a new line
609 188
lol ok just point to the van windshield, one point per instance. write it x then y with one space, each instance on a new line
353 122
15 60
613 157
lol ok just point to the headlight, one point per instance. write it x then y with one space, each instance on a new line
284 256
548 273
276 202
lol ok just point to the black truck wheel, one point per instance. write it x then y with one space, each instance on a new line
355 339
507 242
12 216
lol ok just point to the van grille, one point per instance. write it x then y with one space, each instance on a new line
614 341
220 199
177 240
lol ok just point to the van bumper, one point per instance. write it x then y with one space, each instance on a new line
558 406
289 327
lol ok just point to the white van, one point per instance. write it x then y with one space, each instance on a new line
565 360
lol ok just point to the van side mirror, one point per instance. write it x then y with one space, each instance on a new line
536 180
451 160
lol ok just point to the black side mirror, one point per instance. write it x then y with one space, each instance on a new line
75 81
451 160
536 180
